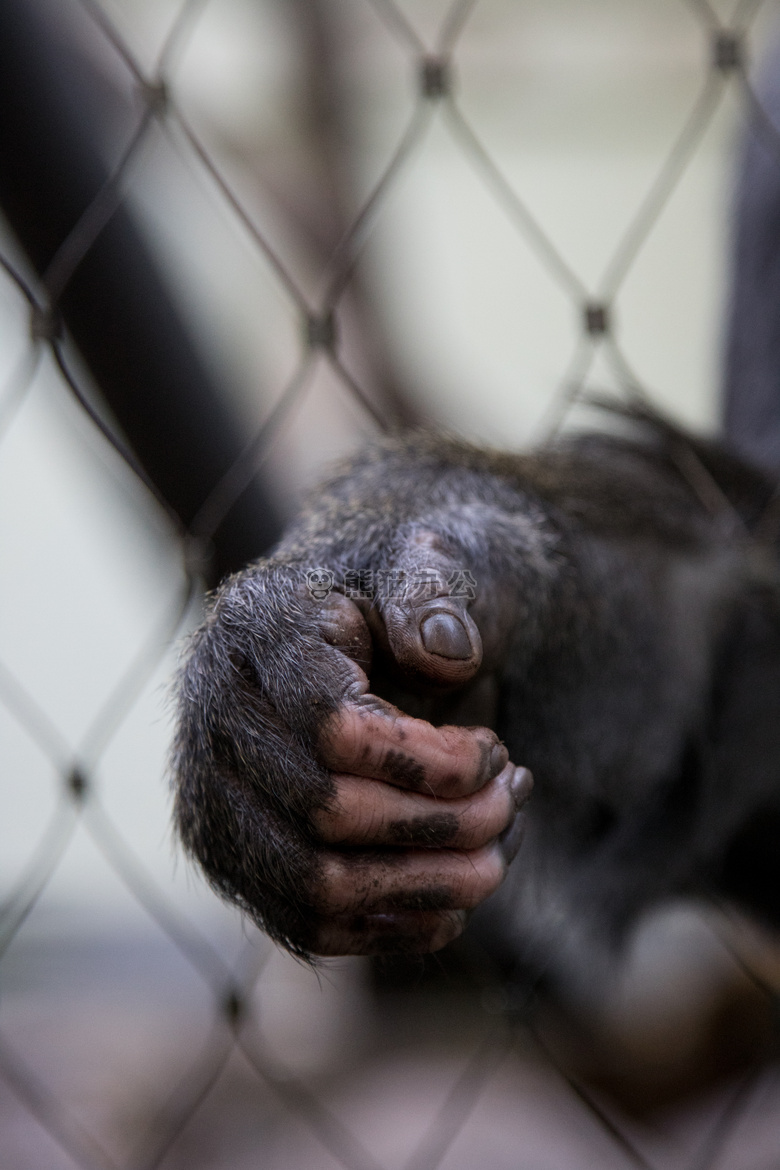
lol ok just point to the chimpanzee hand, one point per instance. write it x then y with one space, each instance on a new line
343 825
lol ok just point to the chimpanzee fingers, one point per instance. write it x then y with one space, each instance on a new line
369 812
384 881
343 626
370 738
402 932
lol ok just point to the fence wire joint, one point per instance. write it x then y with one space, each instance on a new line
45 324
435 78
77 785
727 51
321 331
596 319
155 96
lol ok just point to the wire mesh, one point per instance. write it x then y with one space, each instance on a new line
236 1025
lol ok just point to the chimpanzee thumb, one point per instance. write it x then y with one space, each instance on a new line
429 630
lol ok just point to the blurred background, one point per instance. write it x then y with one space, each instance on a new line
240 237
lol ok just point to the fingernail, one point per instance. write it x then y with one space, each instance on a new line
444 635
510 840
521 786
499 758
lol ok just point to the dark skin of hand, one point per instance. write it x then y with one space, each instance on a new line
425 819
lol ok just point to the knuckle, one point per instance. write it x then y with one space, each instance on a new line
481 873
486 829
474 830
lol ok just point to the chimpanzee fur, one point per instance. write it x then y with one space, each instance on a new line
640 678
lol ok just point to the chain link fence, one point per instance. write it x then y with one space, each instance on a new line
507 1094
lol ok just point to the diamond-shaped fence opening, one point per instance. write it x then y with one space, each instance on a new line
241 236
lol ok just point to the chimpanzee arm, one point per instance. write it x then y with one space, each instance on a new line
341 823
